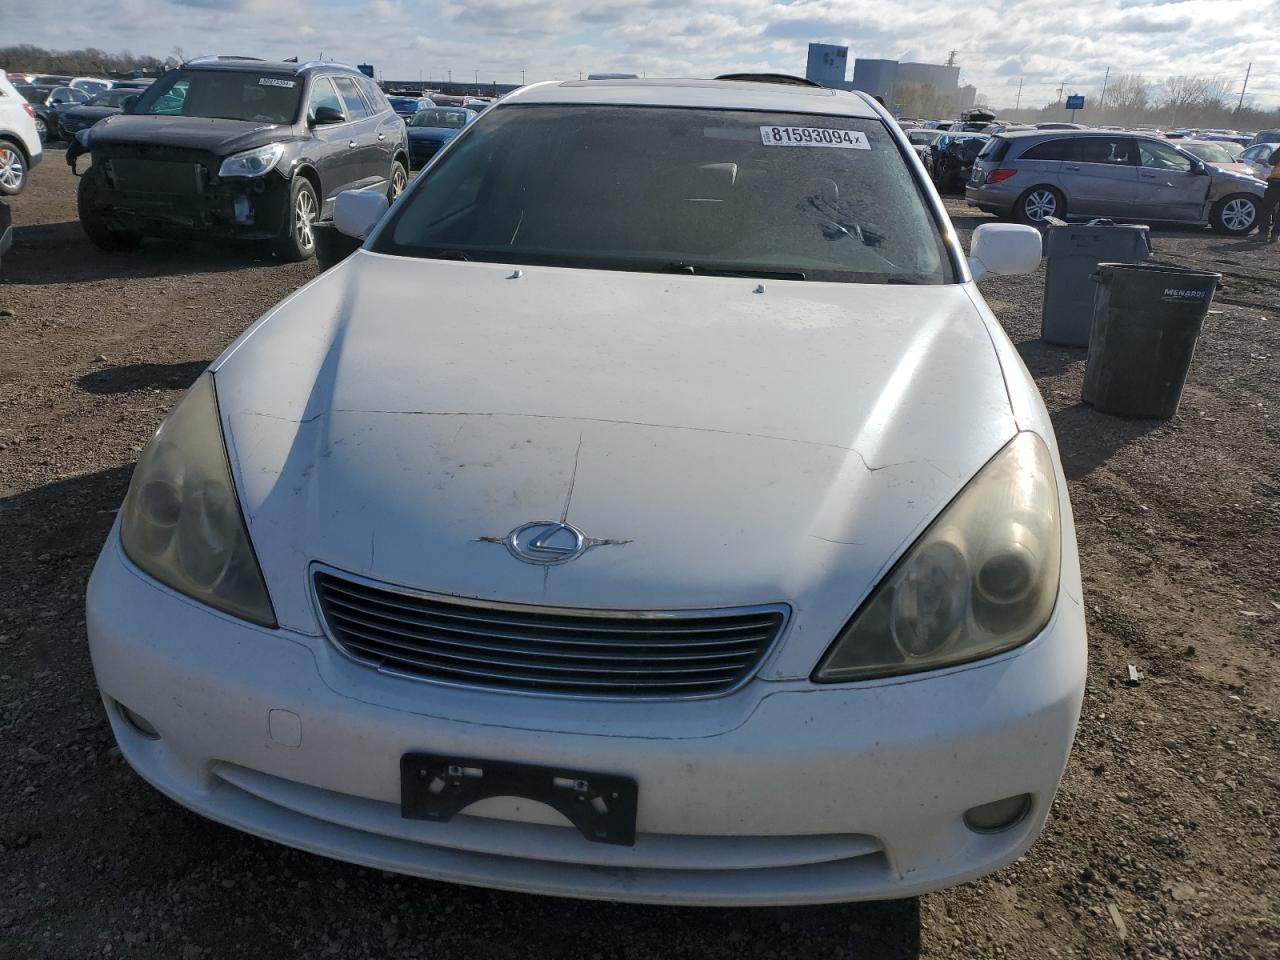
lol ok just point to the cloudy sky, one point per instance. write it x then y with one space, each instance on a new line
1043 42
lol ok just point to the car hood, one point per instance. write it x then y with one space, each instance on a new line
733 442
89 113
1239 169
197 133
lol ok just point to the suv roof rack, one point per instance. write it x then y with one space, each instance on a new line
783 78
332 64
212 59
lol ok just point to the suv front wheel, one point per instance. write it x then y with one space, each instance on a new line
1040 202
95 227
1235 216
297 240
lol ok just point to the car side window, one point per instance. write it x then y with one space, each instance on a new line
1063 149
170 103
377 99
323 95
1116 150
1157 156
356 107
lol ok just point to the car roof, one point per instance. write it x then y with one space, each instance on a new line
252 65
716 94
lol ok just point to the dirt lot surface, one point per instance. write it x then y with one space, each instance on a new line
1165 838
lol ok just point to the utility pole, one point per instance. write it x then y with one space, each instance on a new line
450 72
522 78
1102 100
1240 105
1062 86
1019 104
477 78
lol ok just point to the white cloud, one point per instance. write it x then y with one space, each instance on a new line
1044 43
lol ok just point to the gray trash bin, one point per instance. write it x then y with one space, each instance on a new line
1074 251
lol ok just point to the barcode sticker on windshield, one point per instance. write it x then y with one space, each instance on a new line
273 82
813 137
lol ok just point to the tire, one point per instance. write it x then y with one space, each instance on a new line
42 131
298 240
13 169
399 180
95 228
1236 215
1039 202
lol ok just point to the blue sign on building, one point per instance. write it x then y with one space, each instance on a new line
1075 103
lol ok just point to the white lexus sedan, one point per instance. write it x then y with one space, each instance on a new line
650 510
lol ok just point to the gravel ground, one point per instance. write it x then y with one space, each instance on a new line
1165 837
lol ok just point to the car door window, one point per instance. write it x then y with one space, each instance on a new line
1064 149
1157 156
356 108
377 100
323 95
1114 150
171 101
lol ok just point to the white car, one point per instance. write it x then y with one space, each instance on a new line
20 148
89 85
651 510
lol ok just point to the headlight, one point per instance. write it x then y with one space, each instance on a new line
252 163
982 579
181 521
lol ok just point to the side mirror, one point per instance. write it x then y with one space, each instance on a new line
1004 248
327 115
129 102
356 212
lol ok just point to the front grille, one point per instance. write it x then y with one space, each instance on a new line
588 653
135 175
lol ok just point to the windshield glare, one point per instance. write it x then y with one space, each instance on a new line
439 118
225 95
681 190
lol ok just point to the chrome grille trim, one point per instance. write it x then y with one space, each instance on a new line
555 651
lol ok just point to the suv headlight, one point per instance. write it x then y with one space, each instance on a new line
983 578
181 521
252 163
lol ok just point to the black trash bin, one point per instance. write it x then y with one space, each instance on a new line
1073 252
1146 319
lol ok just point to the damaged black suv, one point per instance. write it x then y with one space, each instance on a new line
237 147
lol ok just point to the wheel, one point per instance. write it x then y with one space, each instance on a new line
1040 202
399 180
13 169
298 241
41 130
95 227
1235 216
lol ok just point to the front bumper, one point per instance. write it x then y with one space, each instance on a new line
781 793
246 208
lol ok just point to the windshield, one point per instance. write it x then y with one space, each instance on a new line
36 95
923 136
112 98
1209 152
224 95
440 118
679 190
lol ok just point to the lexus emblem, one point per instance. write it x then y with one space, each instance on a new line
547 542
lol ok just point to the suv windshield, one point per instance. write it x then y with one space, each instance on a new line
440 118
675 190
224 95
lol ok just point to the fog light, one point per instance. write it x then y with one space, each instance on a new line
138 723
997 815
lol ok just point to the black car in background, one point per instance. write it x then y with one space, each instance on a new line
951 158
74 119
237 147
48 102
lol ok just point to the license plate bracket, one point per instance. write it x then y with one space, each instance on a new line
601 805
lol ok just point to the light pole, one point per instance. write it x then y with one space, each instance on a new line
522 78
477 78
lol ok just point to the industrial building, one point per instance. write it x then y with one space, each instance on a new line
827 65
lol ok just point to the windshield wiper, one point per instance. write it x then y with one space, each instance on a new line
711 270
447 255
